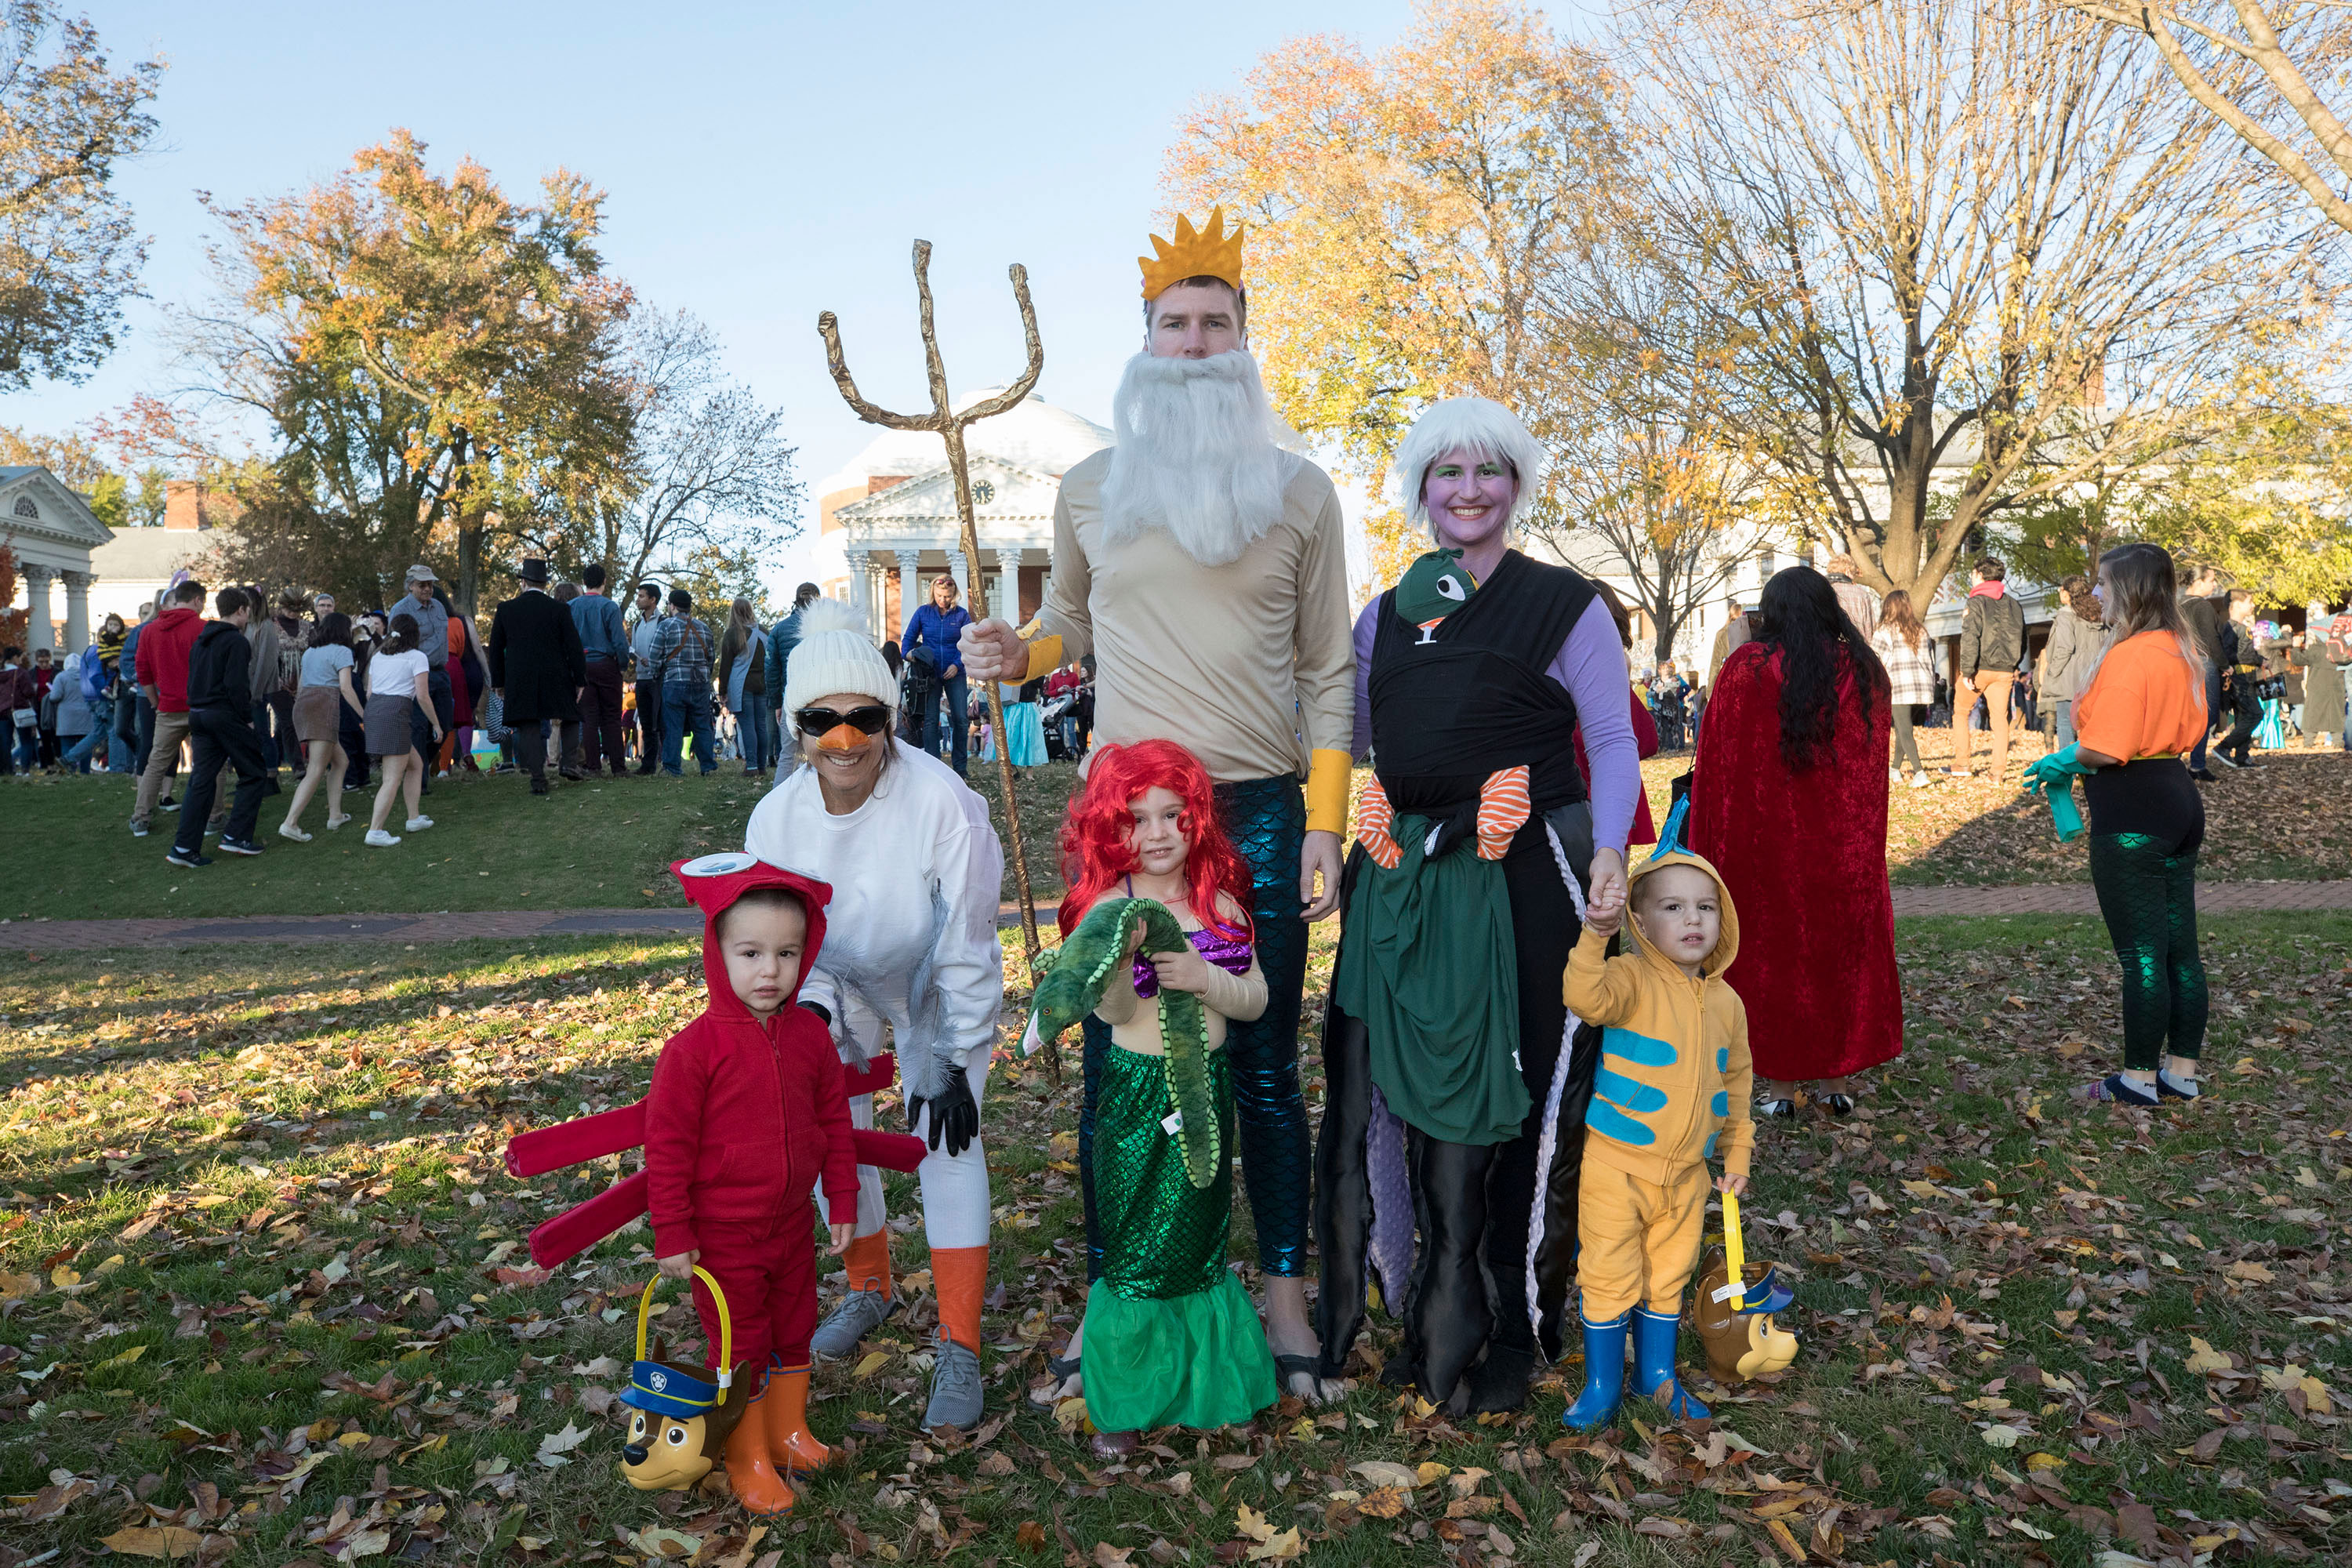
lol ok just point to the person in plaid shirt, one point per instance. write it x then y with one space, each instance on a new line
681 662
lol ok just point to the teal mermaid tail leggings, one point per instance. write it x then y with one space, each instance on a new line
2147 892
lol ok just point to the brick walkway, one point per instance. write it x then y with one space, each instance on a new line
60 936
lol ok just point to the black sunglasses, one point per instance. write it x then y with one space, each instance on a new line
866 721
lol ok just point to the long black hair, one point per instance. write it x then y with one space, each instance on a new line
1818 641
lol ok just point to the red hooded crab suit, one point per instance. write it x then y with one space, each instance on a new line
741 1121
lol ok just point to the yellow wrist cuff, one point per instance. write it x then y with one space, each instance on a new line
1044 651
1327 792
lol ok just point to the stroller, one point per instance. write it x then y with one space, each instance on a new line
1059 715
919 677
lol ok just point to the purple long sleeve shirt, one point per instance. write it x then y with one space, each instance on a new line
1591 667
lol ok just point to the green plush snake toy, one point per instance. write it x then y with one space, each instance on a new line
1082 969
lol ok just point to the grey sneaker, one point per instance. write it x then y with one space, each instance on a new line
859 1313
955 1386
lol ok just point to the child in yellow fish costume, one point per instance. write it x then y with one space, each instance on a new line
1674 1080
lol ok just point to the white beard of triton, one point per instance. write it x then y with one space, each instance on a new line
1196 456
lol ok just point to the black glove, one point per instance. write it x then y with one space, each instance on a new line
954 1113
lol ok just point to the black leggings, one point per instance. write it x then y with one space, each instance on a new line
1907 745
2146 826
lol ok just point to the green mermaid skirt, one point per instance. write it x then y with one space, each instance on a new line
1171 1339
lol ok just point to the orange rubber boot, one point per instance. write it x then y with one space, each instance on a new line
790 1444
750 1471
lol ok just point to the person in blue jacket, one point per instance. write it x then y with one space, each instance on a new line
782 637
936 625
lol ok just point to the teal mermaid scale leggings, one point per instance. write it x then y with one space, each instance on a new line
2147 892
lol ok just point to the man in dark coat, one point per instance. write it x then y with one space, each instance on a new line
220 733
536 666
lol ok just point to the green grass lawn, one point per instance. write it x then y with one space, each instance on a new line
262 1297
608 843
605 844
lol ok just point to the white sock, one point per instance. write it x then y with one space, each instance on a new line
2187 1085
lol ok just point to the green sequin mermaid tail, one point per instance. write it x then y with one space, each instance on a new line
2149 896
1171 1338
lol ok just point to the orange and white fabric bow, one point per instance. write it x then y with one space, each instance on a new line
1504 807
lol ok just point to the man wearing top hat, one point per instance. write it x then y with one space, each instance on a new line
536 666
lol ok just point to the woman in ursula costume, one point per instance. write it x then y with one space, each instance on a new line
1158 946
915 873
1453 1102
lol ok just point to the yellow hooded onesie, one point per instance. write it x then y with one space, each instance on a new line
1674 1079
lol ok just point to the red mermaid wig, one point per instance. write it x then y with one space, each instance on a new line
1099 829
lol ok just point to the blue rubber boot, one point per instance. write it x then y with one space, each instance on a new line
1604 1375
1654 1363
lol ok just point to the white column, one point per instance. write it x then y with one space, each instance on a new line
78 609
861 569
910 587
38 635
956 569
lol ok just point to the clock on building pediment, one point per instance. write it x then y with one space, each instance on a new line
983 491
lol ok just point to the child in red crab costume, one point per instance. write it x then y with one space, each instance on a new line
749 1107
747 1110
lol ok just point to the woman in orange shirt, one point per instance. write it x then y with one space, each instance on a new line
2143 704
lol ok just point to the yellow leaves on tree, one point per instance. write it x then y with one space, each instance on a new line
1404 209
432 351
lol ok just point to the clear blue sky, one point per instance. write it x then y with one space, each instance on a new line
762 162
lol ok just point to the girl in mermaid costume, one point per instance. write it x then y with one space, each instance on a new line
1157 943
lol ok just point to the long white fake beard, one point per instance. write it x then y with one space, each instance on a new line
1196 456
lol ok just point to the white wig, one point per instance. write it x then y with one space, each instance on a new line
1476 425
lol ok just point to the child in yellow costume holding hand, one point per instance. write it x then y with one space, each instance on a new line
1674 1080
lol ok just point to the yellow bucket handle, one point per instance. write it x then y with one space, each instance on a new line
1734 1260
726 1325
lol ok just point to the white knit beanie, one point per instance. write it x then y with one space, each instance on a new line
835 654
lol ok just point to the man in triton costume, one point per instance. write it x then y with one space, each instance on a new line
1205 568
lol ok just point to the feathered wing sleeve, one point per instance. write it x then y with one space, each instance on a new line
969 965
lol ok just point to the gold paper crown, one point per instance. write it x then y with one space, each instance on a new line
1207 252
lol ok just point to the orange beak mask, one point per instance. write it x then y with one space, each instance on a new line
841 738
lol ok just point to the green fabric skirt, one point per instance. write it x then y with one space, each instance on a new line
1171 1339
1428 963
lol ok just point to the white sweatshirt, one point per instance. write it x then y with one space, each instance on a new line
910 936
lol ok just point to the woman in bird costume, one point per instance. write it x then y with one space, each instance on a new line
1157 913
1453 1098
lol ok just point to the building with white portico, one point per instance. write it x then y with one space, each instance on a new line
889 522
52 532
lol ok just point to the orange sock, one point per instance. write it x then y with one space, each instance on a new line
869 1262
959 1278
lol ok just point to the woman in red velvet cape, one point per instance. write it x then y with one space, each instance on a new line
1803 849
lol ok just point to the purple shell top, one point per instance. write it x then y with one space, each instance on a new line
1234 957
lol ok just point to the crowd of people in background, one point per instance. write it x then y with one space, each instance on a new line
235 685
2269 685
1047 717
569 682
